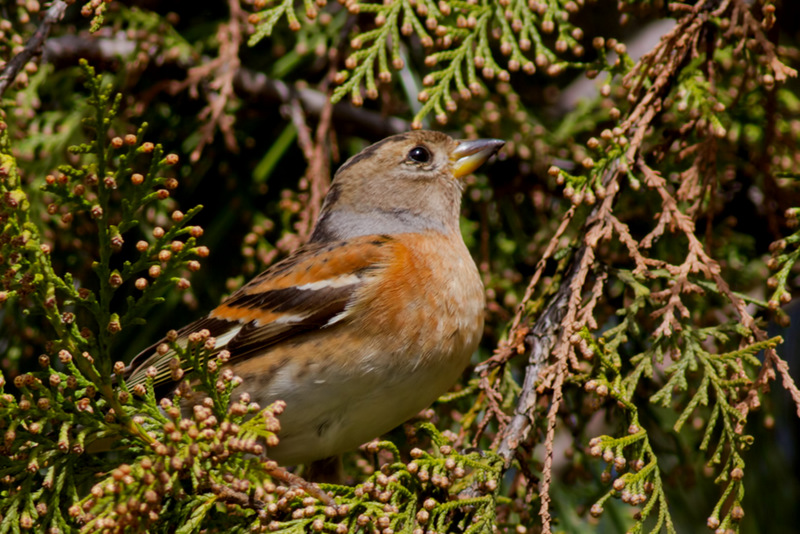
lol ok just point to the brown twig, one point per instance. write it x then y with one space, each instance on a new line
224 69
515 344
319 172
540 339
227 494
317 155
290 479
544 334
34 45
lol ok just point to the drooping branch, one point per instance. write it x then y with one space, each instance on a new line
549 341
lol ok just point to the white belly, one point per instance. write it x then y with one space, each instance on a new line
328 416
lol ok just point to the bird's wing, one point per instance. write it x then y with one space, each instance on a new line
311 289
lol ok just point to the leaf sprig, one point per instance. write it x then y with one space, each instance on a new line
461 42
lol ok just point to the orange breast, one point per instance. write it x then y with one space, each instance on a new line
431 296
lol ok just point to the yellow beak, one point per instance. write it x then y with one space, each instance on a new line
469 155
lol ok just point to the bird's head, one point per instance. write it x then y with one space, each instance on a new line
409 182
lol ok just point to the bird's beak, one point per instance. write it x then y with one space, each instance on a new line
469 155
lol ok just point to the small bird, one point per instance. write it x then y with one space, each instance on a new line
371 320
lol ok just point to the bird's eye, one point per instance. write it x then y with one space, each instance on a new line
420 154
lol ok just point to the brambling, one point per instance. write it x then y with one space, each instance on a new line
375 317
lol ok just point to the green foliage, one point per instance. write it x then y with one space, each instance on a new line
58 403
458 40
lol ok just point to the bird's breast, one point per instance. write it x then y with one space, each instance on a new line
430 297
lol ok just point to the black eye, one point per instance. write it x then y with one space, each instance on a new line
420 154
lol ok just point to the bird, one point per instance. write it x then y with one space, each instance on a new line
370 321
